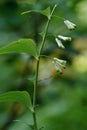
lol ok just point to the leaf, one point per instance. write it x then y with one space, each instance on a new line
31 127
17 96
32 77
41 128
45 12
21 46
41 34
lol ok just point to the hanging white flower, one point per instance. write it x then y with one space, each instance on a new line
70 25
59 43
59 64
57 67
64 38
62 63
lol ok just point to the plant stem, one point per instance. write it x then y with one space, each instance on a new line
34 96
37 69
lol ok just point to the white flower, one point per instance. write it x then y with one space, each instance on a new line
70 25
57 67
59 64
59 43
64 38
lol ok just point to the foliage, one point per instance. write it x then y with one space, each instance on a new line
16 96
20 46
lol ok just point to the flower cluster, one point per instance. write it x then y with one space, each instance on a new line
70 26
58 63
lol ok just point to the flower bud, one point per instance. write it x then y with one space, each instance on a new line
70 25
59 64
59 43
57 67
62 63
64 38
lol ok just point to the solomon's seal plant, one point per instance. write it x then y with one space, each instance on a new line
28 46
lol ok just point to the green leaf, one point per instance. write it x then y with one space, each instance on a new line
45 12
31 127
41 128
21 46
17 96
32 77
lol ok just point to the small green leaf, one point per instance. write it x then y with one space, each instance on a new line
17 96
32 77
45 12
41 34
21 46
41 128
31 127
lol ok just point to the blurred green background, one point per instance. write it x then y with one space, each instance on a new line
61 99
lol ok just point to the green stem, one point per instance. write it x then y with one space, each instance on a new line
37 70
46 57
